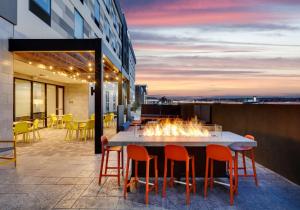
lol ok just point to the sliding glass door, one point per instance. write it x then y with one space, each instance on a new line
36 100
22 99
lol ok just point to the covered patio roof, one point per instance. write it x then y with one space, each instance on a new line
80 60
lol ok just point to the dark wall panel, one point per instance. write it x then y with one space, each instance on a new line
276 128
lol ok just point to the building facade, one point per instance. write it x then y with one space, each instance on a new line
140 94
67 19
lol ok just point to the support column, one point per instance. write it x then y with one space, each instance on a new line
128 91
98 97
120 89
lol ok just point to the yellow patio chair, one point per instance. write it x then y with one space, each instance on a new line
71 127
88 130
66 118
21 128
112 118
5 150
106 120
92 117
53 120
35 129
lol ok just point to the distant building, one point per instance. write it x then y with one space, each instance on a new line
140 94
152 100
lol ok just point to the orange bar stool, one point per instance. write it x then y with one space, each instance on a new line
179 153
220 153
243 150
139 153
107 149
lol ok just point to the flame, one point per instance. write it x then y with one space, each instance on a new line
175 127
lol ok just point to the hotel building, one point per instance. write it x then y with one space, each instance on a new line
60 57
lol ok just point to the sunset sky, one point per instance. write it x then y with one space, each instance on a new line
216 47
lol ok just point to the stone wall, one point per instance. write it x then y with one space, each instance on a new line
6 81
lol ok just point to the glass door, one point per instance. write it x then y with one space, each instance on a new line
60 100
38 101
51 101
22 100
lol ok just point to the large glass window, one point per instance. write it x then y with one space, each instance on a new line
107 101
78 29
51 99
60 101
44 4
97 12
22 99
38 97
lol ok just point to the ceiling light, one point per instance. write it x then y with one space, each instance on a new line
50 67
71 67
77 74
30 62
89 77
90 64
91 69
117 78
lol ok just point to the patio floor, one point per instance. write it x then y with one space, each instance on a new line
56 174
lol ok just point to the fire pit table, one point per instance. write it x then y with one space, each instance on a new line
195 146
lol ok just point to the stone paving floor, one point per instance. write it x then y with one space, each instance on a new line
54 174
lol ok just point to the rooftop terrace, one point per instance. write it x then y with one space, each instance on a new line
56 174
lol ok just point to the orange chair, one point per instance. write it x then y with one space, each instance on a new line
243 150
107 149
139 153
179 153
220 153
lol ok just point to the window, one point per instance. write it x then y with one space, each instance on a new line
115 102
22 99
44 4
78 30
107 29
38 97
97 13
42 9
107 101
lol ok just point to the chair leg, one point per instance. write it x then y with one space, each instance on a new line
67 135
156 175
126 178
254 168
101 166
172 174
231 183
193 175
136 176
106 162
119 153
236 171
147 182
165 177
122 161
187 183
211 173
244 164
38 134
206 177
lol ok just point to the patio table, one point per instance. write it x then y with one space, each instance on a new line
79 123
195 146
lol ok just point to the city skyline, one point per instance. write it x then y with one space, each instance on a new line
216 48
